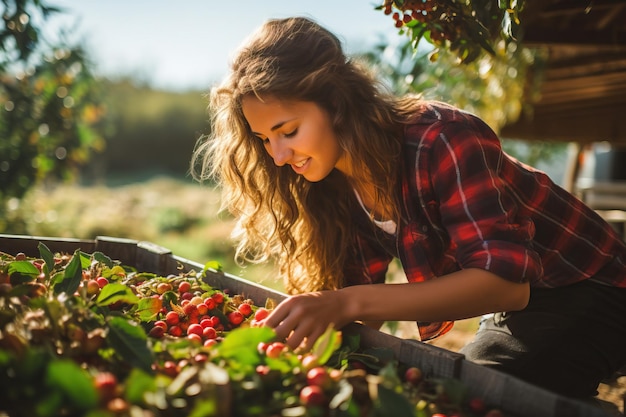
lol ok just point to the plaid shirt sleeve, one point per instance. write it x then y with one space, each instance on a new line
477 208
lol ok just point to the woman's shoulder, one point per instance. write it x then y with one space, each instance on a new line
428 111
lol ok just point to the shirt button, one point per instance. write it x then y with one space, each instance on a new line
424 228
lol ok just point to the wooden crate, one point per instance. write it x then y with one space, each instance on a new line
514 397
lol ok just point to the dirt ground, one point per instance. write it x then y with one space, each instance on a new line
611 394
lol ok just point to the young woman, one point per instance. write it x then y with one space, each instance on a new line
333 177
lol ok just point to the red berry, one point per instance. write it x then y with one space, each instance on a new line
312 395
172 318
202 309
413 375
261 314
161 323
209 342
163 287
170 368
274 350
235 318
190 309
310 361
93 287
318 376
194 329
477 405
106 385
218 297
102 281
245 309
209 333
210 303
195 338
184 286
157 332
262 347
175 331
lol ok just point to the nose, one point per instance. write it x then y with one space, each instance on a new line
279 151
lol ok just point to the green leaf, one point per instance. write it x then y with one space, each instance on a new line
148 308
85 260
137 384
212 265
74 382
23 267
114 292
392 403
103 259
326 344
46 255
72 276
130 342
241 344
455 389
204 408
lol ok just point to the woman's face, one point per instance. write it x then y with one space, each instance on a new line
295 133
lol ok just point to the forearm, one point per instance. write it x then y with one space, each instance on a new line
463 294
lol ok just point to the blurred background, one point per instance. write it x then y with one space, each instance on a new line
101 104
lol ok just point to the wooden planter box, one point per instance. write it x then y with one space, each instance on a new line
514 397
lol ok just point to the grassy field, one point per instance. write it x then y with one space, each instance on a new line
179 215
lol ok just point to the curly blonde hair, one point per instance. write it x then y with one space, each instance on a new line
305 227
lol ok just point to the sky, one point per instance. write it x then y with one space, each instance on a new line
188 44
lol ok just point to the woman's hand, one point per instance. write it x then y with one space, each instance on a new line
302 319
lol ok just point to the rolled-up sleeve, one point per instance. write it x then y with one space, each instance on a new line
478 209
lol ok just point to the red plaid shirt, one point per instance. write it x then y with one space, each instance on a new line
466 204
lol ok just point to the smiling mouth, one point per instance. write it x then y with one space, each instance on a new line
301 163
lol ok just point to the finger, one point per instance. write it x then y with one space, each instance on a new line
277 315
309 341
286 328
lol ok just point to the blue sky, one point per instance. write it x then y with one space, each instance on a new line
188 44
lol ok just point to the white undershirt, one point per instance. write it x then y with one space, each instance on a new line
388 226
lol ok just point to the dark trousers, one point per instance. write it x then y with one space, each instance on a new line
566 340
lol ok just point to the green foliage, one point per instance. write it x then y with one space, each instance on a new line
147 131
49 105
491 86
468 28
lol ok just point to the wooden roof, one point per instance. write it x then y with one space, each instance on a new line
583 94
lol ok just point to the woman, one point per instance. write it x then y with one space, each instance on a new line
333 178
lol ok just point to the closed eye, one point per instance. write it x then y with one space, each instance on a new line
291 134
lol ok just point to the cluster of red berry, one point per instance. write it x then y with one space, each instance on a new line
466 28
201 317
409 10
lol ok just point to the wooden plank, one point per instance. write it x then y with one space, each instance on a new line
118 249
432 360
13 244
518 398
152 258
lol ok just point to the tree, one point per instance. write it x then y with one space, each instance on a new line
48 105
466 27
475 61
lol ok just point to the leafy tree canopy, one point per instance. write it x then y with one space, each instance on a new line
48 104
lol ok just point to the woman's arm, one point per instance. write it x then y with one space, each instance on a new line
467 293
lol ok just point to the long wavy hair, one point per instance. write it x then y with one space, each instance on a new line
305 227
